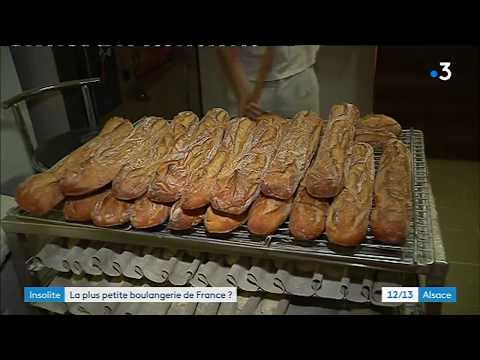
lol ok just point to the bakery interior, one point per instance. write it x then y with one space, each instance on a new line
440 130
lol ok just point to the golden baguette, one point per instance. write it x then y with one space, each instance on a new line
190 159
42 192
80 208
102 168
181 219
393 194
217 222
293 156
238 184
267 214
325 178
147 214
307 216
197 194
133 179
349 213
109 211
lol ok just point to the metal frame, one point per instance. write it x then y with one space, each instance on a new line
15 101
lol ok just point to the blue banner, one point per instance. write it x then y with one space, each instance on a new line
43 294
437 294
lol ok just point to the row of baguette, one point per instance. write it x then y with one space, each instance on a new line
226 172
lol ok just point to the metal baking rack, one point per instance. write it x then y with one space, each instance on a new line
415 255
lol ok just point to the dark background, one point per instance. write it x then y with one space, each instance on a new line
447 111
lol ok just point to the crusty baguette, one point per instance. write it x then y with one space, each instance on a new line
293 156
39 193
307 216
197 193
133 179
146 214
184 124
189 162
109 211
115 129
379 122
217 222
376 130
267 214
182 129
392 194
376 138
185 219
238 184
349 213
101 169
80 208
42 192
325 177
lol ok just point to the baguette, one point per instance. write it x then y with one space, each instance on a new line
376 138
115 130
238 184
197 194
378 122
392 194
109 211
101 169
39 193
42 192
325 177
293 156
307 216
133 179
183 126
185 219
217 222
190 162
80 208
348 215
267 214
377 130
146 214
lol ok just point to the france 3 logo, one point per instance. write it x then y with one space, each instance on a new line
447 73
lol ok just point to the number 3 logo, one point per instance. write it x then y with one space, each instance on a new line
446 69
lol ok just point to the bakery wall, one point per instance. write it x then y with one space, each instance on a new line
446 111
36 67
345 73
15 163
214 85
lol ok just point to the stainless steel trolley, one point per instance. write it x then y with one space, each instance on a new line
422 254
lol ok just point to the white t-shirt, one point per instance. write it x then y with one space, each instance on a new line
287 60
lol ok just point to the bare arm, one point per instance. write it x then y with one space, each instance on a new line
248 98
234 71
265 67
253 107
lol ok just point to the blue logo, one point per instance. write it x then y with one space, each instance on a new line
43 294
437 294
433 73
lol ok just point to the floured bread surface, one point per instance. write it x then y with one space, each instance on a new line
325 178
293 156
349 213
238 184
393 194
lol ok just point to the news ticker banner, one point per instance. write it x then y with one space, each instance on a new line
419 294
207 294
130 294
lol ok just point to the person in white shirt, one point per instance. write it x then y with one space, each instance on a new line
278 79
